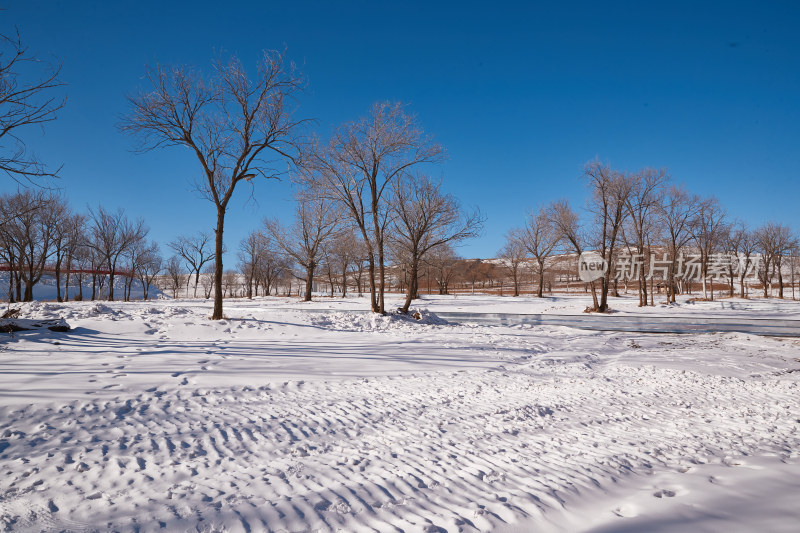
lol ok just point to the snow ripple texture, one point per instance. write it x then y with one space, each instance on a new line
469 450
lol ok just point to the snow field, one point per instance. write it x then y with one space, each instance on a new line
149 417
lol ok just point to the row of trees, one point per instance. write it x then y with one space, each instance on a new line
364 196
40 234
645 215
337 237
362 180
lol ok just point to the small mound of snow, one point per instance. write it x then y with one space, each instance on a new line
39 310
101 309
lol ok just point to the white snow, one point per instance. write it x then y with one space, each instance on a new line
149 416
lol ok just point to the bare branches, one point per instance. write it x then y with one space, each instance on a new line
540 236
238 127
316 221
112 234
424 218
196 251
358 166
24 101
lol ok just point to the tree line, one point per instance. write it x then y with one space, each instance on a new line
367 206
40 234
645 215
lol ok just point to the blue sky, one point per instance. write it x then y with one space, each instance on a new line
520 94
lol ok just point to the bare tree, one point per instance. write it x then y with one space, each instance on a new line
230 280
425 218
567 225
233 125
734 238
249 251
642 205
708 231
59 216
30 234
442 261
513 254
148 267
677 214
343 253
111 235
746 255
196 251
75 242
316 220
174 273
24 103
610 191
259 264
357 167
207 278
540 237
775 241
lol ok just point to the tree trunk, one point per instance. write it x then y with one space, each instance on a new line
413 281
309 283
540 290
111 274
66 280
217 312
58 280
373 290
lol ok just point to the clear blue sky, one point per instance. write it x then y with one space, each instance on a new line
521 95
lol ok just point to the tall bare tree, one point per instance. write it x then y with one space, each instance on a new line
343 253
708 232
174 275
746 255
424 218
24 103
237 127
76 241
148 266
610 191
59 216
647 192
357 167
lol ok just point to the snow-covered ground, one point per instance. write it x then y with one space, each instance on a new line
686 305
148 416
